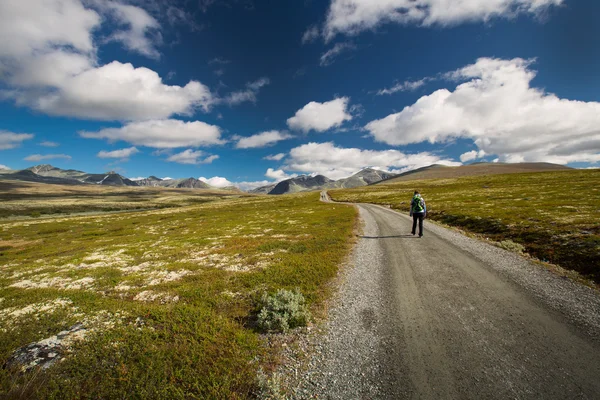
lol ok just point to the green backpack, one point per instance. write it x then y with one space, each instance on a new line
418 205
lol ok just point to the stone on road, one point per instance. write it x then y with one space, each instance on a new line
449 317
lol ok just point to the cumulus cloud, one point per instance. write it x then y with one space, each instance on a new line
248 94
354 16
338 162
321 116
40 157
142 32
278 175
499 110
161 134
4 168
190 156
10 140
216 181
472 155
121 153
48 59
262 139
330 55
118 91
275 157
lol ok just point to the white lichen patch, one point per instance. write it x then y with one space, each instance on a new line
46 307
158 277
43 282
143 267
48 351
148 296
100 259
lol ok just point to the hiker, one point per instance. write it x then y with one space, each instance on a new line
418 210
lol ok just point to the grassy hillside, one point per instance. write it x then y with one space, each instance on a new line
477 169
18 199
166 297
554 215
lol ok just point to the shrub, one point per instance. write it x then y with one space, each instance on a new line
282 311
511 246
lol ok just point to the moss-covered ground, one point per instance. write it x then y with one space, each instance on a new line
554 215
170 292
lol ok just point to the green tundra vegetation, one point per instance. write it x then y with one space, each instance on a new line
555 216
167 296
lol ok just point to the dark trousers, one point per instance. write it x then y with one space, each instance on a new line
418 217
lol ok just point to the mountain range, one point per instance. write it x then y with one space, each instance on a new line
48 174
304 183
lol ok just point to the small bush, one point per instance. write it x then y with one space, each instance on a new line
511 246
269 387
282 311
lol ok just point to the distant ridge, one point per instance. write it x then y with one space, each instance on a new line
437 171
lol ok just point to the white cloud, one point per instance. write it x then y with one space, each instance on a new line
311 34
142 32
218 60
4 168
330 55
49 144
248 94
28 26
499 110
354 16
48 59
262 139
10 140
278 174
403 87
122 153
338 162
216 181
321 116
162 134
275 157
118 91
40 157
190 156
472 155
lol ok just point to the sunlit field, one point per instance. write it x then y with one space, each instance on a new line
157 303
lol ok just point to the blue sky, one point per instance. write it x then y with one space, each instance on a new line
251 92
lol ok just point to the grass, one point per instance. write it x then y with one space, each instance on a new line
555 216
168 294
34 200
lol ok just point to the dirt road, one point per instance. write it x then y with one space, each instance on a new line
449 317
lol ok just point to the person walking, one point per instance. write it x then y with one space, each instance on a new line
418 210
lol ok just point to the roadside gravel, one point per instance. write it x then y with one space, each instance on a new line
446 316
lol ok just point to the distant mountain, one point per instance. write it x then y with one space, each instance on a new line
302 183
305 183
46 173
263 189
191 183
149 181
476 169
364 177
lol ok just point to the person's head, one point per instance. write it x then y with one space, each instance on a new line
417 192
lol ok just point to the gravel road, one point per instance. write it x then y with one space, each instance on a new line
450 317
